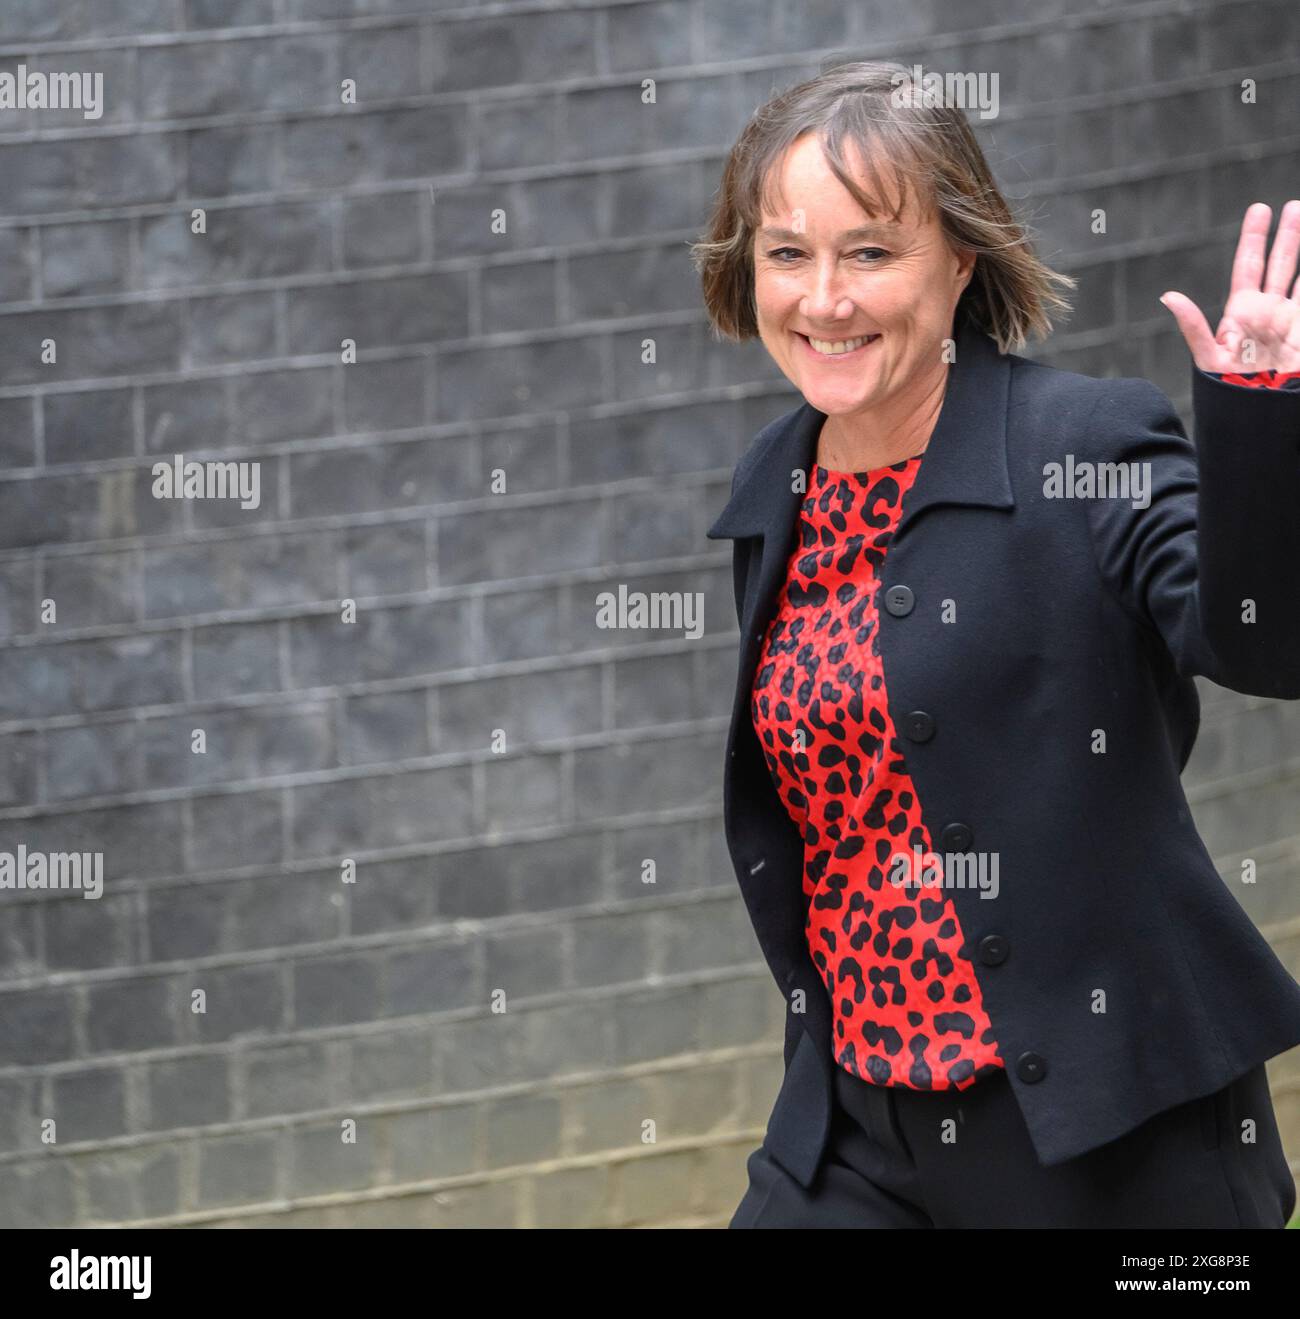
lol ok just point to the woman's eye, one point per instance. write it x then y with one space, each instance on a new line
783 255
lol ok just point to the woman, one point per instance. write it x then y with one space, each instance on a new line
1019 992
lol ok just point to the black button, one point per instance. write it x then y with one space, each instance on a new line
956 838
994 949
1031 1067
918 726
899 600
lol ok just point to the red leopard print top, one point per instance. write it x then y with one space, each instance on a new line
905 1002
906 1005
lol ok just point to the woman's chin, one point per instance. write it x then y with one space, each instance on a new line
836 400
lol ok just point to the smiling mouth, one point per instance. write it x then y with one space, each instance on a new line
837 347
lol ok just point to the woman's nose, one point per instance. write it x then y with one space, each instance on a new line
824 294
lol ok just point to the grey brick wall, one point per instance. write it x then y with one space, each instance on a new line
488 876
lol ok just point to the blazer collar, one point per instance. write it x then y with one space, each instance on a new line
965 462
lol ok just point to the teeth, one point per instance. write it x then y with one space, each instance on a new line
833 347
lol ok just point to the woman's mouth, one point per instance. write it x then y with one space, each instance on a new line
836 348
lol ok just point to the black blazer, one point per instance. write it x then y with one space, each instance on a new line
1071 616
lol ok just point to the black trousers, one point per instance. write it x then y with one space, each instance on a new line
909 1158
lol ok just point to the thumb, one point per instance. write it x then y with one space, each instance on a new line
1195 329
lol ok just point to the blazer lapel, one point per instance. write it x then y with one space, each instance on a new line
766 504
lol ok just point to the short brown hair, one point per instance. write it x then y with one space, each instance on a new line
929 147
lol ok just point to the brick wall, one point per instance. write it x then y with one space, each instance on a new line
513 868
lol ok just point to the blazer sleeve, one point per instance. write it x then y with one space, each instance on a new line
1211 562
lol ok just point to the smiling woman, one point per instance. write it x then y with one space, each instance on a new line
941 650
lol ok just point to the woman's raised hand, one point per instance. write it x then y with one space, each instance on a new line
1260 329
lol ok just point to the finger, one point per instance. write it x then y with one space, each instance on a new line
1206 352
1248 263
1282 259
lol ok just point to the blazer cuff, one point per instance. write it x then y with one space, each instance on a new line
1259 379
1249 409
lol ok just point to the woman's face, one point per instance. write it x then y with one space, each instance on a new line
818 280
